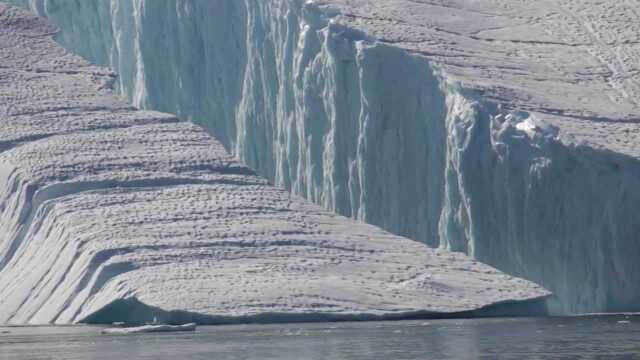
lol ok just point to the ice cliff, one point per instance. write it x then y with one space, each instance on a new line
504 129
109 213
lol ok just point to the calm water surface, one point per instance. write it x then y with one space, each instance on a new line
538 338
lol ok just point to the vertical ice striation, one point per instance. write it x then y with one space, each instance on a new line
377 133
560 215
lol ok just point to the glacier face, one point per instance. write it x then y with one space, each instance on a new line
503 129
109 213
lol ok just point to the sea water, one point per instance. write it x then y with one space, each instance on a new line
507 338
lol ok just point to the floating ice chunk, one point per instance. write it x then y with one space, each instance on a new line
150 329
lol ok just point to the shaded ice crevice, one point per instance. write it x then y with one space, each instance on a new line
366 129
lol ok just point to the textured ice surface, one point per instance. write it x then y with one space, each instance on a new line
507 129
106 207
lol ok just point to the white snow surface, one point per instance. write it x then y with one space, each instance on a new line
505 129
101 202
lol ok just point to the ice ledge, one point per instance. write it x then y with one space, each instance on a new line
132 311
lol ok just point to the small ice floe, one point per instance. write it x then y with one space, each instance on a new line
624 322
149 329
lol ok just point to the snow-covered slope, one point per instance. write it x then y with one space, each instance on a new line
507 129
108 213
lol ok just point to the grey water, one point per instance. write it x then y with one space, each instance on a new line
593 337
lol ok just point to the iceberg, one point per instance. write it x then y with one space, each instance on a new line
112 214
506 130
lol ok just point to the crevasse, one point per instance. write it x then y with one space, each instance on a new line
376 133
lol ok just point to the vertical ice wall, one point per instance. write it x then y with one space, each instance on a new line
369 131
561 215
